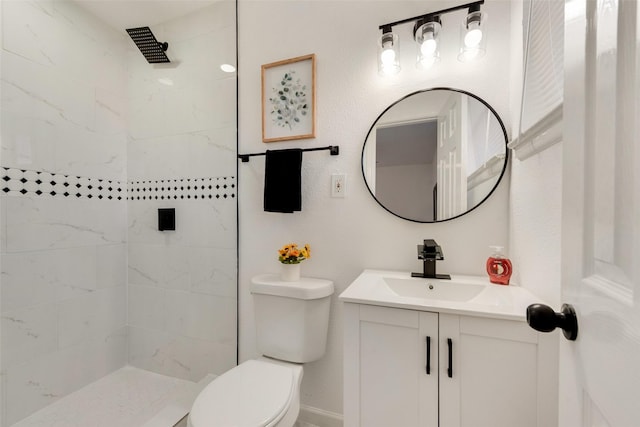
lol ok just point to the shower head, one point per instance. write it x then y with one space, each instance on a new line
151 48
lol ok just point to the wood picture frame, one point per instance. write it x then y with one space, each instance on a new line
289 99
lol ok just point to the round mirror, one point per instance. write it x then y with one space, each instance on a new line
435 155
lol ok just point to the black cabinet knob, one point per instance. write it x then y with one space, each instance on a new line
542 318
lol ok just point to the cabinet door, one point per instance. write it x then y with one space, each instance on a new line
386 380
494 379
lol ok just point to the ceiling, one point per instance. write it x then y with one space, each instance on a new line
122 14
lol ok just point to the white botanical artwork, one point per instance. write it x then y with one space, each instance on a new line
288 99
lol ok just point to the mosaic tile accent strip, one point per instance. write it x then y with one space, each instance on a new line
24 182
219 188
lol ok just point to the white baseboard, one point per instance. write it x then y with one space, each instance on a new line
319 417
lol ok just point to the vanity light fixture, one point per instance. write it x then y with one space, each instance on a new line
426 33
388 52
473 42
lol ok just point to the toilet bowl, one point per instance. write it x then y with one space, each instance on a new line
256 393
292 320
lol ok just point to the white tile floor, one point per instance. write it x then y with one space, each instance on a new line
129 397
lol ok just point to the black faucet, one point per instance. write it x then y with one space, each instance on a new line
430 252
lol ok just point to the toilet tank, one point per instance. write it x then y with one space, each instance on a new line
292 318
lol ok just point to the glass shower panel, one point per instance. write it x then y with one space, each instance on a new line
94 141
182 154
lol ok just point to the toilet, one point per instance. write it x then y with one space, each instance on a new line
292 320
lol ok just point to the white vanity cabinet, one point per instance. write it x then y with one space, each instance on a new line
385 379
484 372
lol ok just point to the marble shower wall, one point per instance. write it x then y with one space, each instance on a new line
182 154
63 208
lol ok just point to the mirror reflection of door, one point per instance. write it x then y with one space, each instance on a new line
452 157
405 166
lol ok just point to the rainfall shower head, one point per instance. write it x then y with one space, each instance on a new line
151 48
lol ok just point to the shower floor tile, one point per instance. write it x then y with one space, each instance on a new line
128 397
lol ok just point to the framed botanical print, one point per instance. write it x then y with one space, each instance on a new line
289 99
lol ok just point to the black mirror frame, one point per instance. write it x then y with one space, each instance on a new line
504 166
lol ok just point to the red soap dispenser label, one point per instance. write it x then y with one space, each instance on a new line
499 270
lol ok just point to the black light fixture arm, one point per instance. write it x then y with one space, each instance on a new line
386 28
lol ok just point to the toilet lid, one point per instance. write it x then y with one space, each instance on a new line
253 394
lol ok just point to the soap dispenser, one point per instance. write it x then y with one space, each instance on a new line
498 266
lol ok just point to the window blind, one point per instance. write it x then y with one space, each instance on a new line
543 85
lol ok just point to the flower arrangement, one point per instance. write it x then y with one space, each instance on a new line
291 254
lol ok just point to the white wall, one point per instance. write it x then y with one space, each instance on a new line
351 234
63 290
535 215
536 201
182 155
407 186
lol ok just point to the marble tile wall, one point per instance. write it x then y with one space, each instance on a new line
62 202
63 91
182 155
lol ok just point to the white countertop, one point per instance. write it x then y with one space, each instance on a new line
496 301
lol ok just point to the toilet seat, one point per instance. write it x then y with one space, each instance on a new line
253 394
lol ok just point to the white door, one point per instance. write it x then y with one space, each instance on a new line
452 158
600 371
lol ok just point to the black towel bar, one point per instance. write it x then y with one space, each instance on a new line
334 149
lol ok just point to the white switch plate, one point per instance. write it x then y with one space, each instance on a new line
338 184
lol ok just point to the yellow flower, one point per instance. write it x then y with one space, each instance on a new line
291 254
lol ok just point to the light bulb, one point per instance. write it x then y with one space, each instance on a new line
428 47
388 56
473 37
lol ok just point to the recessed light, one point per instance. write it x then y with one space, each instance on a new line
227 68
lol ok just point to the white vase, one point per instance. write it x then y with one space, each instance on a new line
290 272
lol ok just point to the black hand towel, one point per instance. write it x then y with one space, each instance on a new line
282 181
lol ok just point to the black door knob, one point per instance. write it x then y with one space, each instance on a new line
542 318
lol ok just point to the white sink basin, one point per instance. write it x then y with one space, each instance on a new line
471 295
433 289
